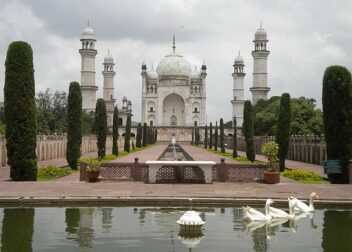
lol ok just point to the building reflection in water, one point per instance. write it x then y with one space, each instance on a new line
106 219
79 226
17 229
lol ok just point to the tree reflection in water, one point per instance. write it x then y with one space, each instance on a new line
17 230
337 231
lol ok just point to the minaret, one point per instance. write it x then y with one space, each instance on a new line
238 90
108 96
203 115
88 53
144 91
260 72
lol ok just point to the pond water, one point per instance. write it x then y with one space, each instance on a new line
154 229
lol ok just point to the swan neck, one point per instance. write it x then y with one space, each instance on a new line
291 209
267 210
311 202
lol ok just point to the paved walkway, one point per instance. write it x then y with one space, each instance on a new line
71 187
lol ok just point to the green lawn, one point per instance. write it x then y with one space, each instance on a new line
241 159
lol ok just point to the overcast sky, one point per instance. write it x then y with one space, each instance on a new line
305 36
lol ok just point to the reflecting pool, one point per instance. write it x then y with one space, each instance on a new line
155 229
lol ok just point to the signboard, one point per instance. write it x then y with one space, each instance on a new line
332 166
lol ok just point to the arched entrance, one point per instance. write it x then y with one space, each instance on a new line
173 110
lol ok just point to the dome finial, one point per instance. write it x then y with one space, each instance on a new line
173 43
239 52
261 24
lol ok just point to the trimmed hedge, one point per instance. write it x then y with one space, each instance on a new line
284 128
74 125
234 139
115 132
128 134
20 112
101 127
139 136
248 130
337 112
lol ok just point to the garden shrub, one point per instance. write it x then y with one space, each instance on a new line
52 171
301 175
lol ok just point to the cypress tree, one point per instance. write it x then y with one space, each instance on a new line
20 112
196 136
222 144
74 125
283 128
192 142
234 139
101 127
128 134
216 136
145 133
337 117
248 130
206 137
149 138
115 132
155 135
211 136
139 136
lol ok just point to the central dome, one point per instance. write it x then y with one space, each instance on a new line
173 64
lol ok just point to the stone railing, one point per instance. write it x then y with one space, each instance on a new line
309 149
54 146
170 172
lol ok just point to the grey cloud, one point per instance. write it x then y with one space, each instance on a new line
304 38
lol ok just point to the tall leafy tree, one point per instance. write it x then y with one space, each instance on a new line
88 122
206 137
145 134
216 142
248 130
234 138
128 134
74 123
211 136
284 128
222 144
101 127
51 112
20 112
155 135
115 132
139 135
305 117
337 109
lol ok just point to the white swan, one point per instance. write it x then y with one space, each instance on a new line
250 214
303 207
278 213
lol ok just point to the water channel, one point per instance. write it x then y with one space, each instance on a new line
155 229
